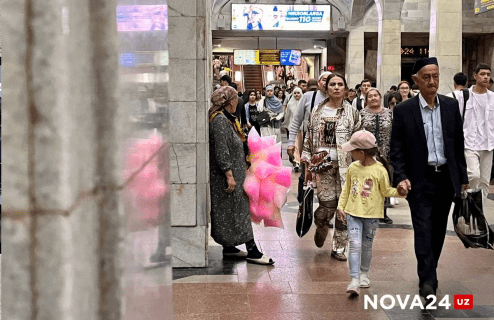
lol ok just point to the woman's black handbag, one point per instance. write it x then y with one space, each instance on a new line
470 223
263 118
305 213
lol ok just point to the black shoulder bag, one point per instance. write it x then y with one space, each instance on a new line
263 117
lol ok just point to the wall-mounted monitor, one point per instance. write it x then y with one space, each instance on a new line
142 18
290 57
281 17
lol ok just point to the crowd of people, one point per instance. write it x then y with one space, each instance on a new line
431 147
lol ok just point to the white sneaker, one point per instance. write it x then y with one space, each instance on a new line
364 280
392 201
397 201
353 287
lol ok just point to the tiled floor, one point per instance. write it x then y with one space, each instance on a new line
306 283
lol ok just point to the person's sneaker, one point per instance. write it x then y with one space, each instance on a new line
331 225
364 280
392 201
296 168
353 287
320 236
340 256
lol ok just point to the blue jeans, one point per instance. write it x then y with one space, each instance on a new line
361 233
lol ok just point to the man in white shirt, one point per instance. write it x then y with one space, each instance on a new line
460 83
478 128
359 102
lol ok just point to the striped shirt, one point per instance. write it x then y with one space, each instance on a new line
433 132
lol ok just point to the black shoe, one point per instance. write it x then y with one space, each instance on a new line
426 291
386 220
331 225
296 168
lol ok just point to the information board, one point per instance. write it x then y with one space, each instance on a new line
269 57
243 57
281 17
290 57
482 6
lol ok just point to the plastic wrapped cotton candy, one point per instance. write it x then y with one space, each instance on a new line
145 181
267 182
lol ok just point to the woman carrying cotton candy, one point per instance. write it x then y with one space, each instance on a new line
230 213
273 106
330 125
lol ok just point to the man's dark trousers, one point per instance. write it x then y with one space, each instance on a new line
430 207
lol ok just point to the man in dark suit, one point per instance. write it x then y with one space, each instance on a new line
427 153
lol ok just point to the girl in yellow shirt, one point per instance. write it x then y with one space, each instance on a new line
362 203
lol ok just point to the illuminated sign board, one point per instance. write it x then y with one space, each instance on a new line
415 51
482 6
267 57
142 18
290 57
281 17
243 57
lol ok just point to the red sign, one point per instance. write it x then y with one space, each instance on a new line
330 68
464 301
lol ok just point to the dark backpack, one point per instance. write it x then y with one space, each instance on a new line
466 95
359 104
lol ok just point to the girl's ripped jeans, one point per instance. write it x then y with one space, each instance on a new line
361 233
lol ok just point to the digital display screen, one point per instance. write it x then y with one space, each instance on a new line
142 18
290 57
281 17
243 57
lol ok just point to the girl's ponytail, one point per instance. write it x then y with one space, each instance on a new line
385 163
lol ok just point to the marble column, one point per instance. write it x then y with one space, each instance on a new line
61 140
355 56
445 40
190 78
388 54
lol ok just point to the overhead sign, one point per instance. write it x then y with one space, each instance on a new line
415 51
142 18
269 57
281 17
243 57
482 6
290 57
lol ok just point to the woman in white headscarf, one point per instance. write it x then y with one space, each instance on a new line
291 109
272 105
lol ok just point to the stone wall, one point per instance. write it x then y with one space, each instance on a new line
189 39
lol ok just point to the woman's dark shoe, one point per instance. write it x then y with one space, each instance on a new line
340 256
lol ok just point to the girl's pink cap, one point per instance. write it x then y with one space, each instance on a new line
360 140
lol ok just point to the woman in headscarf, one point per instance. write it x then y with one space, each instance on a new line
291 109
274 108
378 120
330 125
230 210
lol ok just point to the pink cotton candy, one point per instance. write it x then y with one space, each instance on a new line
283 176
268 189
263 169
267 180
280 196
251 186
145 185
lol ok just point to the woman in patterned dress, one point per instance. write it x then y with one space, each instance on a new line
330 125
230 210
378 120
